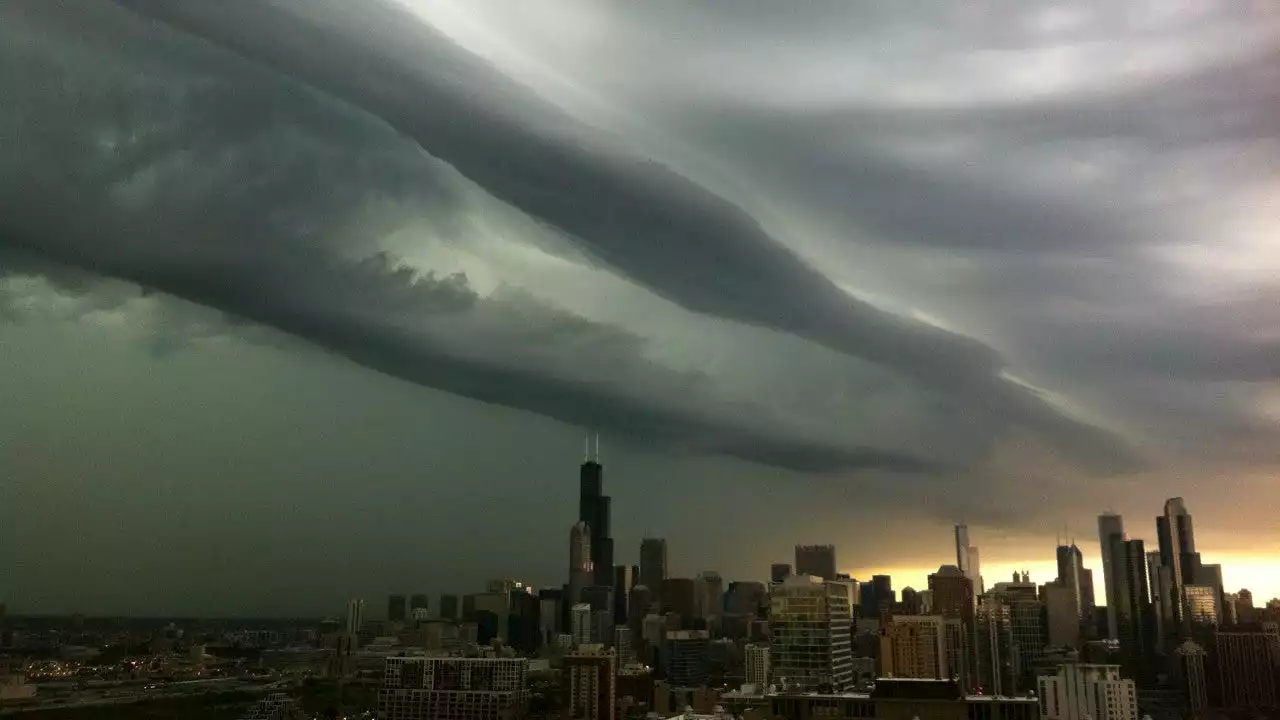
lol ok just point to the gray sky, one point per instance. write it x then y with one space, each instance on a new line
312 299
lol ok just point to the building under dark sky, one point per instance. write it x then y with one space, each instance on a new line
816 560
594 509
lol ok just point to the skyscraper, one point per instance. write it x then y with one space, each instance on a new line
914 646
710 595
816 560
653 563
1070 562
623 580
594 510
1110 527
581 572
967 558
1087 692
1177 544
779 572
396 611
418 601
449 607
355 617
1135 622
810 622
591 671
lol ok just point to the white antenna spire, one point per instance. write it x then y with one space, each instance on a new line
586 448
597 448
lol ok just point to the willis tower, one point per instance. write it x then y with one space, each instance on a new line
594 510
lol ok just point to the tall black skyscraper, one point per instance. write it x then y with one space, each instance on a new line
1135 621
1177 539
594 510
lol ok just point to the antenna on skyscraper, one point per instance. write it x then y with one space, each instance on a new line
597 448
586 448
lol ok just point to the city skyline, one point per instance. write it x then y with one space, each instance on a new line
285 323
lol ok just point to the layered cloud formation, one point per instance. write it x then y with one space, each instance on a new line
830 240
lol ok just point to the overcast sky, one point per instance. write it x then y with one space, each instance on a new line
304 300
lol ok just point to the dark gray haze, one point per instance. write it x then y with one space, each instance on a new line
1012 274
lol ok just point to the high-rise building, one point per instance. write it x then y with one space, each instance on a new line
1062 616
746 597
592 676
684 657
779 572
876 596
998 664
453 688
449 607
1202 605
1070 565
602 626
1247 666
1026 621
653 563
914 646
1087 692
549 614
1177 543
680 597
639 603
1087 601
757 664
623 580
1110 528
953 599
1135 622
581 572
355 617
810 621
418 601
1191 676
396 608
912 603
710 595
580 624
816 560
968 559
594 510
624 645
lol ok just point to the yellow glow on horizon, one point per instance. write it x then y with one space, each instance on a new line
1259 573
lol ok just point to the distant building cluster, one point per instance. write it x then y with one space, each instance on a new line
634 642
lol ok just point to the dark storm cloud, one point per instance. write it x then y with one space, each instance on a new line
258 221
633 215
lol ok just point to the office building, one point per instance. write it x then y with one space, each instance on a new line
580 624
709 596
1062 614
968 560
757 664
440 688
811 621
998 662
624 645
779 572
1087 692
1026 621
418 601
914 646
1202 605
396 608
549 616
816 560
1110 528
639 604
1070 575
449 607
624 578
653 563
591 683
747 597
684 657
1135 621
594 510
1191 676
912 602
1247 665
1177 545
602 627
581 572
679 596
355 617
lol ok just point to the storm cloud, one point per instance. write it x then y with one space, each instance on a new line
999 261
